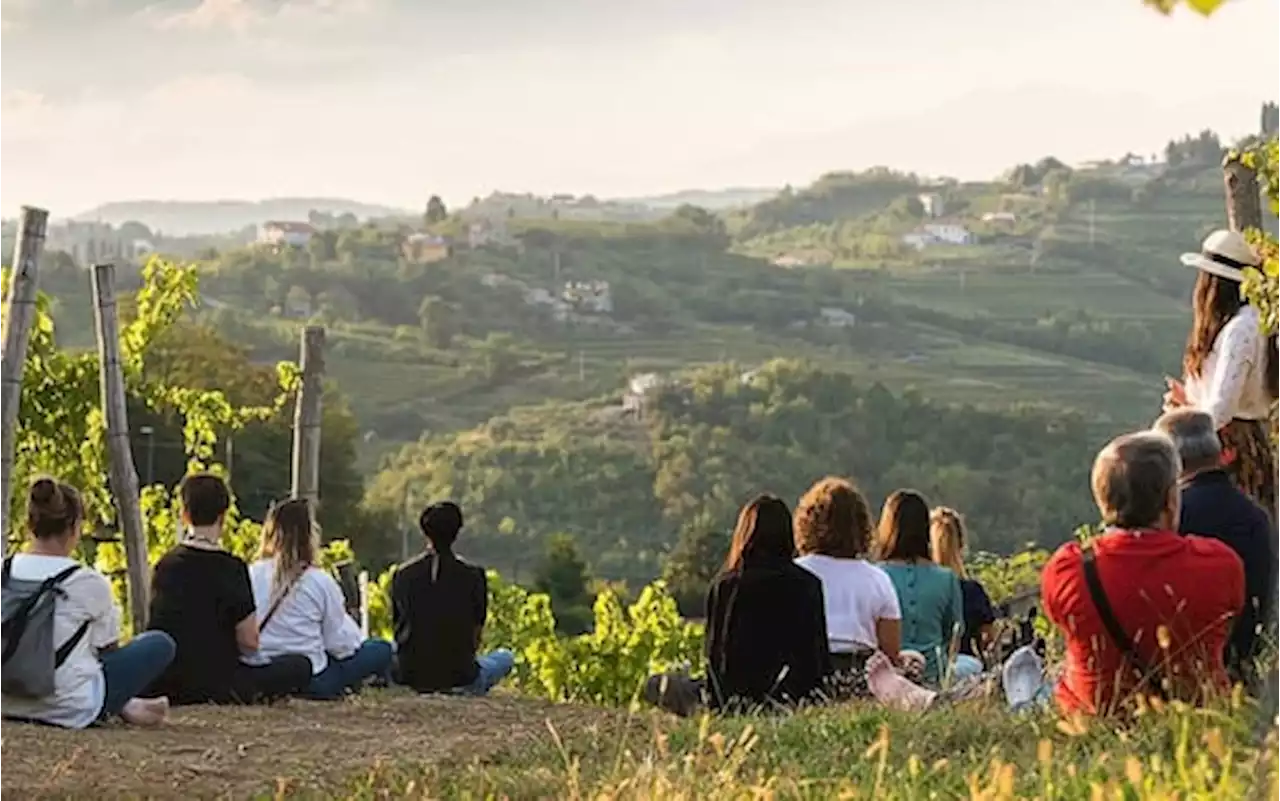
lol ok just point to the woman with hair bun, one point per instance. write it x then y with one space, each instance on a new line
92 677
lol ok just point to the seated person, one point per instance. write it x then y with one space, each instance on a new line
202 598
1171 598
91 679
832 529
928 595
766 638
946 546
439 604
1213 506
301 610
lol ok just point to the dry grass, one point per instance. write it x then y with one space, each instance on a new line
298 747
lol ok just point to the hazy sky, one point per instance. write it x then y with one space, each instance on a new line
392 100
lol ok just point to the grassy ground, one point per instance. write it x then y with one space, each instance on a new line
393 745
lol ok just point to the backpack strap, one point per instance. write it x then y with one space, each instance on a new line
1121 639
64 650
16 625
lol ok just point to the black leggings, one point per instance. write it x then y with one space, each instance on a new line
289 674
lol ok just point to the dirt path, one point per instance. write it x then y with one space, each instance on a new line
208 752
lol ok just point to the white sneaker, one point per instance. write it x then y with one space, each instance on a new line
1022 677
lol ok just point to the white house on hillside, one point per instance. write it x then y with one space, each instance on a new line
277 232
837 318
938 234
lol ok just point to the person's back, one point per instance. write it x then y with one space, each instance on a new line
198 596
932 610
1173 595
439 604
978 614
766 636
856 594
1212 506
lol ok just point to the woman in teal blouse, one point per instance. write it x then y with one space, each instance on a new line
929 595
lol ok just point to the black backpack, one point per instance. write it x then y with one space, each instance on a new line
30 658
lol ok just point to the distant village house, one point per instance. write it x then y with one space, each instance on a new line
278 233
425 248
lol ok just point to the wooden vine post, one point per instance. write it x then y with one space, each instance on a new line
1244 197
19 314
123 473
306 417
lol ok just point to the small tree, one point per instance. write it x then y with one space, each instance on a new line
562 575
437 320
436 211
690 566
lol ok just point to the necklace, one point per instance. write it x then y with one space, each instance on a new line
192 541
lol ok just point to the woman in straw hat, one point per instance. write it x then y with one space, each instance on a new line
1230 365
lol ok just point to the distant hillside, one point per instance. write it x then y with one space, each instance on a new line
712 199
178 218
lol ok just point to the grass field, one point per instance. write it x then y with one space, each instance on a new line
389 744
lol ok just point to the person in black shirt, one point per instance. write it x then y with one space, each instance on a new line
439 603
1212 506
766 628
766 623
202 598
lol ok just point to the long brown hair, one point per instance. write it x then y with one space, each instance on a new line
1214 302
903 533
833 519
291 537
763 534
946 539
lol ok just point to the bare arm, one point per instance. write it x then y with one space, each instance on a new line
889 637
247 634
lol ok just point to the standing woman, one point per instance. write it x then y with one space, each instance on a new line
1229 365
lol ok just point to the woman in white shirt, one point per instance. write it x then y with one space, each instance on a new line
832 531
95 679
301 610
1230 365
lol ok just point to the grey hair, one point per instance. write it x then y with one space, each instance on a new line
1194 435
1133 477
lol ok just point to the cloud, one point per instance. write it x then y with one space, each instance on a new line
252 15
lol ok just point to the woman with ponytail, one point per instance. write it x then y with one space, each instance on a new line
301 610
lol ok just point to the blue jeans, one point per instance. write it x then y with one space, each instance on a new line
965 666
129 669
494 666
372 658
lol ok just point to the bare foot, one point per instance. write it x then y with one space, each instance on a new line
145 711
894 690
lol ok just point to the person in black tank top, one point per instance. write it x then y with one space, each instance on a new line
439 605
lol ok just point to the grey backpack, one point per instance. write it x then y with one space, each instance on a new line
30 658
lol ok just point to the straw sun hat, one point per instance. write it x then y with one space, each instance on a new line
1225 254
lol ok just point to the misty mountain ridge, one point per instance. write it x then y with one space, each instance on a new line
198 217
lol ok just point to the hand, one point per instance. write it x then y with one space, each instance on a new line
1176 397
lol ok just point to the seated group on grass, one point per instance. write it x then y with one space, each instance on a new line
221 631
1167 601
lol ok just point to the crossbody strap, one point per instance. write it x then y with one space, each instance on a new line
1117 633
280 598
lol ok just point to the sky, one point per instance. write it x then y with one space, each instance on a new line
390 101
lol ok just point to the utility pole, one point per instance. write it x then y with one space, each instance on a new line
306 418
150 434
582 367
1093 222
406 525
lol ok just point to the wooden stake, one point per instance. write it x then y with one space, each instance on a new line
123 474
1244 198
19 314
306 417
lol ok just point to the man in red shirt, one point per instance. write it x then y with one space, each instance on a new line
1172 597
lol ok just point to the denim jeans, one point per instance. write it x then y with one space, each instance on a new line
965 666
129 669
372 658
494 666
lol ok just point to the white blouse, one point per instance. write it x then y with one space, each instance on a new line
311 620
1232 382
